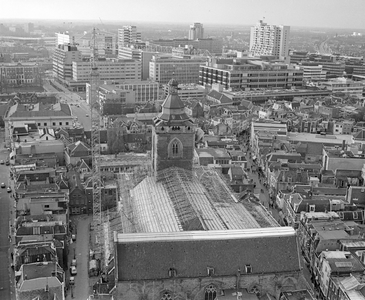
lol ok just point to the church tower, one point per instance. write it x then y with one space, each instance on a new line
173 135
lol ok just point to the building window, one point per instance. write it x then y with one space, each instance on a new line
166 296
66 123
54 123
60 123
312 208
175 149
45 124
248 269
210 292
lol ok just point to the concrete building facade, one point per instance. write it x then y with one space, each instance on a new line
63 56
163 68
138 54
110 69
242 74
214 46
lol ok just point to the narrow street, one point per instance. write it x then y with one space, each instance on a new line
80 250
7 290
260 189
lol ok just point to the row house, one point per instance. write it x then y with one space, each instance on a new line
35 252
336 264
40 280
347 286
284 176
76 151
320 232
296 204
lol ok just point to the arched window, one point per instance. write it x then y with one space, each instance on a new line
166 296
210 292
175 148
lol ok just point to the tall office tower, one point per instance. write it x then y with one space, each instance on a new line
63 56
128 35
196 31
271 40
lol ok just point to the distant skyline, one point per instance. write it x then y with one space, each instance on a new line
309 13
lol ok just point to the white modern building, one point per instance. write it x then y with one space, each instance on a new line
144 90
141 55
196 31
64 38
186 91
163 68
128 35
269 40
63 56
108 69
312 72
344 85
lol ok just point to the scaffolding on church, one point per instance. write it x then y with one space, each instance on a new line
126 182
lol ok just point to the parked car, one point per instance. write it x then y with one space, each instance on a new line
74 262
73 270
8 190
2 162
7 163
72 280
3 185
73 237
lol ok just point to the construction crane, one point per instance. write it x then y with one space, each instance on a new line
95 144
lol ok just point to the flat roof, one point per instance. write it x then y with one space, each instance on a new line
317 138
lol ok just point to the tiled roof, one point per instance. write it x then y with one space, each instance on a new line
77 146
74 181
223 99
20 110
190 257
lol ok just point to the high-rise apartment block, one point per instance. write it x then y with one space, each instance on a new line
128 35
269 40
163 68
196 31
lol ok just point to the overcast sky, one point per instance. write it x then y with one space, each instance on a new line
313 13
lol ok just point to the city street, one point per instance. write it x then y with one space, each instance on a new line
6 286
80 250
